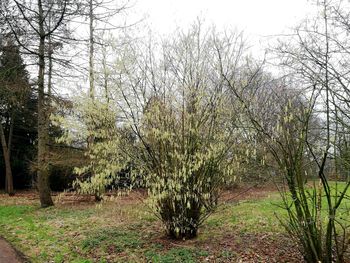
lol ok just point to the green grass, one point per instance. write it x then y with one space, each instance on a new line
117 240
38 233
252 216
128 232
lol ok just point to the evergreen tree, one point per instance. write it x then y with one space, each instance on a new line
14 93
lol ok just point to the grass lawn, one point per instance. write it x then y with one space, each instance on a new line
123 230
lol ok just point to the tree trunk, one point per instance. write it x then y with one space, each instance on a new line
49 81
91 52
6 153
105 73
91 71
43 127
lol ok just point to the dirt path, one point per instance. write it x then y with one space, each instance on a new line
8 254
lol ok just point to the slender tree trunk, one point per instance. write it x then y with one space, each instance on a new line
7 155
9 147
91 52
49 81
43 128
9 141
105 73
91 71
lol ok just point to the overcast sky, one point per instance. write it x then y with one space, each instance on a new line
257 18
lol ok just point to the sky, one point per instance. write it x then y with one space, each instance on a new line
257 18
260 20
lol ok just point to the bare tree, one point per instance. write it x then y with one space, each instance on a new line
100 14
313 58
30 21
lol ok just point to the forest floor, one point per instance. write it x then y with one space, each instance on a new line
244 228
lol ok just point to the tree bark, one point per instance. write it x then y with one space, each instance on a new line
6 153
43 127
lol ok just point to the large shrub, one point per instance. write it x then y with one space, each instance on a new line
186 129
91 127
